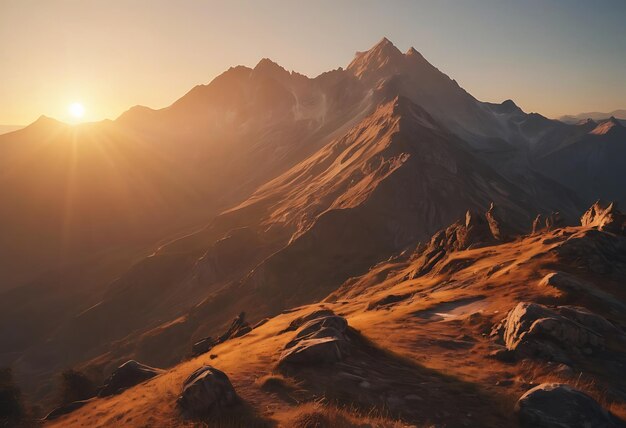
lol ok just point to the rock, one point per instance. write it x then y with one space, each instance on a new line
554 221
318 341
65 409
203 346
206 391
533 330
605 217
552 405
388 300
498 227
476 231
571 284
238 328
539 224
128 374
295 324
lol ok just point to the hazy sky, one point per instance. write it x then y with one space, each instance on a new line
549 56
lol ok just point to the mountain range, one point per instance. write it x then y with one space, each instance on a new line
383 191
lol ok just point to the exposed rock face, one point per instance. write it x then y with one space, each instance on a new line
207 390
606 217
552 405
128 374
533 330
237 328
319 340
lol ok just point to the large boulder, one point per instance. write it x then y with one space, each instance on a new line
317 341
552 405
534 330
128 374
606 217
206 391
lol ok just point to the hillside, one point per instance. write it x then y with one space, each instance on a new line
425 352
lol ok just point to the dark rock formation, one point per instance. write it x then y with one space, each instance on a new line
319 340
533 330
206 391
128 374
552 405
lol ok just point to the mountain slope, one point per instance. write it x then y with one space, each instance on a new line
258 192
592 163
426 353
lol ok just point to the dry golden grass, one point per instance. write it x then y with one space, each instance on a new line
319 415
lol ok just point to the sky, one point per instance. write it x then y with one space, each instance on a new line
552 57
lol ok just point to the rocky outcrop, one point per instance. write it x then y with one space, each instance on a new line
534 330
319 340
128 374
552 405
606 217
206 391
475 231
538 224
500 229
546 223
237 328
554 221
570 284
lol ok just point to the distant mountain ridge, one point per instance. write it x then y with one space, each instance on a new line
619 114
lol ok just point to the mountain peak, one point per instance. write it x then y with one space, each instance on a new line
384 57
268 67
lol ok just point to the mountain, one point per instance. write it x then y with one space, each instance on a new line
265 192
424 344
571 119
591 162
5 129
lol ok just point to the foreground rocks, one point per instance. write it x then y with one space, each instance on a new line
319 340
534 330
128 374
206 391
552 405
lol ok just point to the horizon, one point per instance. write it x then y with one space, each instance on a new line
494 50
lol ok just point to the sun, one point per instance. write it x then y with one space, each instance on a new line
76 110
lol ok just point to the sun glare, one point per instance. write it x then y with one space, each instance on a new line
76 110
